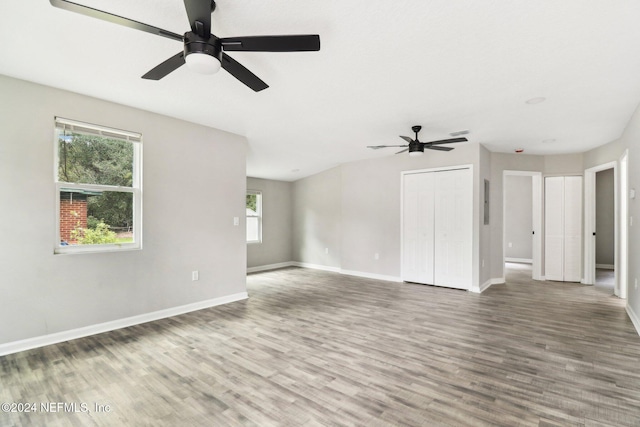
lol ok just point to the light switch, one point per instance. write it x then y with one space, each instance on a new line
236 220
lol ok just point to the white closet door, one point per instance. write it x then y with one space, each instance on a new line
572 228
554 228
563 228
417 258
453 228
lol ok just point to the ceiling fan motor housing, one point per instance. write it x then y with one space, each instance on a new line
193 43
415 147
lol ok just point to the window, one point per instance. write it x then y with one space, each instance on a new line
98 181
254 216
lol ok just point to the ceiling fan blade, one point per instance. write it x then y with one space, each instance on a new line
402 151
448 141
292 43
199 13
438 148
165 68
238 71
115 19
376 147
406 138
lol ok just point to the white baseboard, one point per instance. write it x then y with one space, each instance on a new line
487 284
58 337
634 318
316 266
371 275
520 260
270 266
606 266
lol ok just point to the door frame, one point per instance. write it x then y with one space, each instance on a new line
589 262
536 220
622 272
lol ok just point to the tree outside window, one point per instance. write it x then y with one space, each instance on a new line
254 216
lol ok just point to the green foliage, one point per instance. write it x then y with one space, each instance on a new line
101 234
92 222
252 202
92 159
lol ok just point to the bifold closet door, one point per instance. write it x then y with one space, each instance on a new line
453 205
563 228
572 228
437 228
418 241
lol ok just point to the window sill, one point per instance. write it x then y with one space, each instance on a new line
93 249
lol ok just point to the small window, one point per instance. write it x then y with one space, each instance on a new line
254 216
98 188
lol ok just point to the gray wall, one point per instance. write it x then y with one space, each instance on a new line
194 181
354 210
631 139
277 235
518 199
605 217
485 251
317 219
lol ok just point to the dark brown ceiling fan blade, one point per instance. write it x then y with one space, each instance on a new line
161 70
406 138
438 148
402 151
291 43
448 141
199 13
238 71
115 19
375 147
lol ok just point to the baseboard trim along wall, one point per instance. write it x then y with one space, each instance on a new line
58 337
634 318
316 266
605 266
487 284
371 275
520 260
271 266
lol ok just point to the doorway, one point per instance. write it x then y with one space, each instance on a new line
594 206
522 220
605 229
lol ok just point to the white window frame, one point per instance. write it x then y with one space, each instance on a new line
257 215
135 189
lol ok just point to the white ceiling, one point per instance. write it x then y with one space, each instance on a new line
383 66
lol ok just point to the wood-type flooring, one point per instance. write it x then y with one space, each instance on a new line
315 348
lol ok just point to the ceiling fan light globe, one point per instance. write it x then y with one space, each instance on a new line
416 153
202 63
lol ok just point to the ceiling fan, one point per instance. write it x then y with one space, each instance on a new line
203 52
416 148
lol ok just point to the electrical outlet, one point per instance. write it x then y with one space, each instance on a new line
510 244
195 275
326 250
635 285
376 256
482 263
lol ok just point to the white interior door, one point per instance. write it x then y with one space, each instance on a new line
453 205
554 228
563 228
572 228
418 228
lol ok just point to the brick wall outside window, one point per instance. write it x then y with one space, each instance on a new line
73 214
